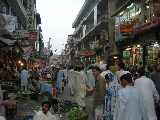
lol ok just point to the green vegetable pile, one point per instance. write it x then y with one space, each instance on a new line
67 105
37 107
75 113
29 92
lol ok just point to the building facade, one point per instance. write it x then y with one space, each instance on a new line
137 32
20 22
93 40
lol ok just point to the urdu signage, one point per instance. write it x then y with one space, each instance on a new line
147 26
33 36
30 15
126 28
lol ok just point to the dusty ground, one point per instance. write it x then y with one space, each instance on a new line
28 105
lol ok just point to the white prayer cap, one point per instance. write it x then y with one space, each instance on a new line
123 73
103 66
95 65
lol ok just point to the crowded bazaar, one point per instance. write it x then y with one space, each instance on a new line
111 89
79 59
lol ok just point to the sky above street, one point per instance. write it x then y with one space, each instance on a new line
57 17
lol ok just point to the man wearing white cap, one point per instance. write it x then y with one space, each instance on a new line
104 70
130 101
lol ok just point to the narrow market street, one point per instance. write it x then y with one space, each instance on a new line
27 106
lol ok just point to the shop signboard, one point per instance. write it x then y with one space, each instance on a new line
92 52
126 54
33 36
126 30
30 15
20 34
96 44
147 26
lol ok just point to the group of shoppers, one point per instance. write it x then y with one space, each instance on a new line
131 100
123 97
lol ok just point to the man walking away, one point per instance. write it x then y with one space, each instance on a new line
81 84
24 79
90 76
149 91
130 101
71 79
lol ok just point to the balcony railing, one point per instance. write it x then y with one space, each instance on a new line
19 9
89 28
102 18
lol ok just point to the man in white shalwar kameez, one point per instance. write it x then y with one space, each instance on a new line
71 79
81 84
149 91
130 101
90 77
44 114
24 79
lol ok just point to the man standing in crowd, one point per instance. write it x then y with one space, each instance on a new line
71 79
90 76
149 91
41 85
156 77
100 87
24 79
130 101
54 75
65 71
6 103
45 114
81 84
60 77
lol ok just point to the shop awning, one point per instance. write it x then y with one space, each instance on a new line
27 51
6 44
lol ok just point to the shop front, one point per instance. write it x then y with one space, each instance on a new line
137 34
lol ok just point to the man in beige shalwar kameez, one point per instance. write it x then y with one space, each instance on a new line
100 87
81 84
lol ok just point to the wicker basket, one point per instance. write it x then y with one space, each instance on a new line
85 117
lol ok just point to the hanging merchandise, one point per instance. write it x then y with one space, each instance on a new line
133 50
126 54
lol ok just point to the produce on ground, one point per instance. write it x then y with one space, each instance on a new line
76 113
67 105
37 108
27 92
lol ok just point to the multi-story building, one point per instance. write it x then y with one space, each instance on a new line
94 32
126 29
70 51
137 32
20 22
